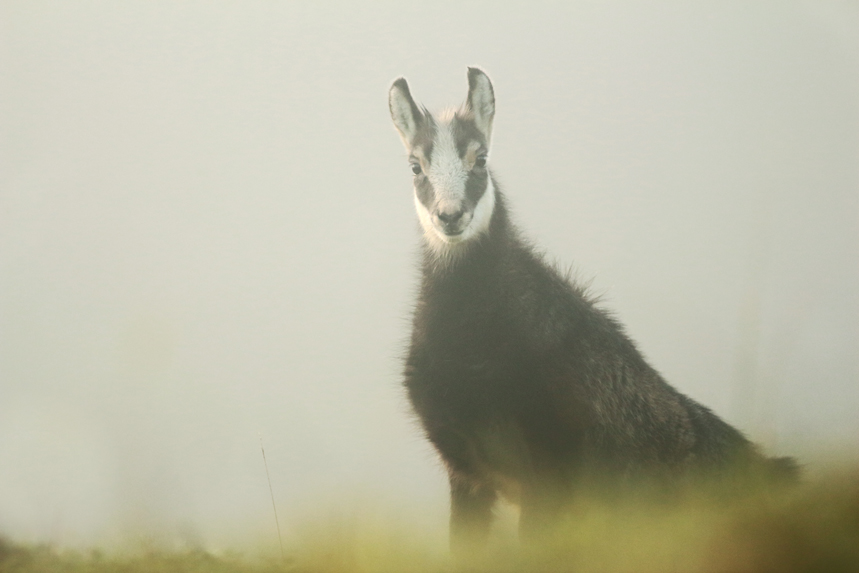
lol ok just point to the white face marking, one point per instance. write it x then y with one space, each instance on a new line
482 213
443 244
448 174
447 171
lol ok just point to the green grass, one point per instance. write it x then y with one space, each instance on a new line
813 527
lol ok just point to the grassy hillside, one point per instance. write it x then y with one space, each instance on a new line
813 527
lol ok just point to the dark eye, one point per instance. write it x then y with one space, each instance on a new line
416 168
480 162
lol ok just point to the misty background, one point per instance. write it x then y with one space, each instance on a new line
207 236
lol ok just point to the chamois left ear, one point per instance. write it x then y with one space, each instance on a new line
481 100
404 111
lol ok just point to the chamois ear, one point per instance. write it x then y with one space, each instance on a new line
404 111
481 100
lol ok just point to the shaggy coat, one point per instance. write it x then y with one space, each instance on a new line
523 385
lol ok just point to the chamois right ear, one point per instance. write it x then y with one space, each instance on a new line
481 100
404 111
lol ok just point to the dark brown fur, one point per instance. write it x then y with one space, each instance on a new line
526 388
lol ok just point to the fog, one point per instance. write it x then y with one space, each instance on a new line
207 236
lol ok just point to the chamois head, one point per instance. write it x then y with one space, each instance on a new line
448 154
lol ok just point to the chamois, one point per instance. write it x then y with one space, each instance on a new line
521 383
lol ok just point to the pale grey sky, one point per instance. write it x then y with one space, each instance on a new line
207 235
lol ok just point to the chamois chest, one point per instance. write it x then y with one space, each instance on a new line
463 339
479 344
480 374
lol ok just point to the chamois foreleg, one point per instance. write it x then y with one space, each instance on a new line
470 514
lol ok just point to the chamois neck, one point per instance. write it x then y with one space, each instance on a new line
480 254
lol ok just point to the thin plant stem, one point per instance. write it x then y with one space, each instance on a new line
271 491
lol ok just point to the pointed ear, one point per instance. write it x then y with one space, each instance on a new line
404 111
481 100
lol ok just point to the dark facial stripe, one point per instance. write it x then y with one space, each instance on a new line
475 187
426 134
425 192
464 132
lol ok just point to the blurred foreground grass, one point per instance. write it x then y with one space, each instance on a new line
813 527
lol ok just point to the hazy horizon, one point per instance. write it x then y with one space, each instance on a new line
207 236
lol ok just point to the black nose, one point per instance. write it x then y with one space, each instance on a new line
450 218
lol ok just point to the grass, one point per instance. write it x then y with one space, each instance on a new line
813 527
